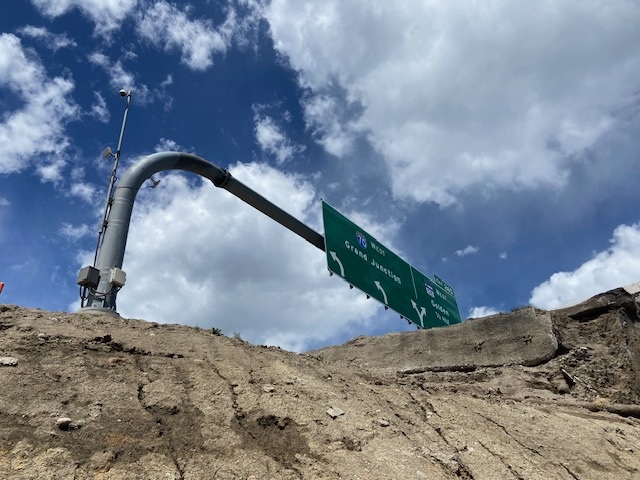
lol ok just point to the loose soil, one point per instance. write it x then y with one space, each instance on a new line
98 397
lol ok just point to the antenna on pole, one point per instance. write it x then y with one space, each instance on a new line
89 277
112 179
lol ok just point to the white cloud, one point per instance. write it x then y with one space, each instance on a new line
51 170
36 130
167 81
197 40
84 191
503 255
122 78
119 77
468 250
455 95
273 140
169 145
615 267
54 41
201 256
20 267
327 118
99 108
479 312
4 202
75 232
165 25
107 15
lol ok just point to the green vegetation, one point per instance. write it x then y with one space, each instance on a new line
216 331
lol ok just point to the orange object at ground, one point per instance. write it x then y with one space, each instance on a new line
1 286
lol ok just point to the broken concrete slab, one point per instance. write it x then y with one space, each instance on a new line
599 304
523 337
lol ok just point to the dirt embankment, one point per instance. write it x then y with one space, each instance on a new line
526 395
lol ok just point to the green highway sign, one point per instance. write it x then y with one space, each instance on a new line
367 264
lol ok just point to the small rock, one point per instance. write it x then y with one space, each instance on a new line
103 339
383 422
268 388
581 353
114 360
561 387
8 362
65 423
334 412
252 477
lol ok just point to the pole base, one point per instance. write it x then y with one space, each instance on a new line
99 311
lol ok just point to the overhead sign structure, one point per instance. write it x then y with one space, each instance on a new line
367 264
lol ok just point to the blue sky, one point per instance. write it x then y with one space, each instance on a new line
494 144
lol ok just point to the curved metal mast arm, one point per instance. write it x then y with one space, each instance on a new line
115 238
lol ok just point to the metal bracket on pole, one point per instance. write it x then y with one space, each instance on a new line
111 256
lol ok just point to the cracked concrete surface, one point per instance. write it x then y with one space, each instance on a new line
152 401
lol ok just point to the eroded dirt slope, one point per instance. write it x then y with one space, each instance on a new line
86 396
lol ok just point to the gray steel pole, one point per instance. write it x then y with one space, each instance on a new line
115 237
112 178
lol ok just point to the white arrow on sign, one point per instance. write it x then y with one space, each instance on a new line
337 260
382 290
421 313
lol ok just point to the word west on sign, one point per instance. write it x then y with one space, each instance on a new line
367 264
